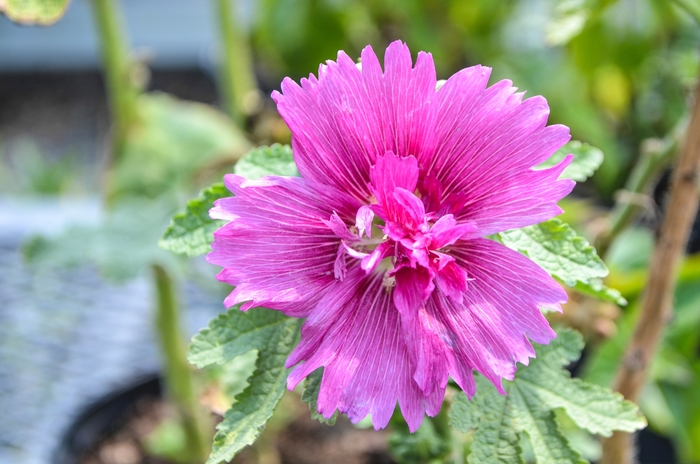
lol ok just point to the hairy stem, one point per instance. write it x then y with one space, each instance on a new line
121 92
237 80
657 300
178 374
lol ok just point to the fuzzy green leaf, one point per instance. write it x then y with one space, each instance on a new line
41 12
538 389
586 160
566 256
274 160
232 334
312 384
191 231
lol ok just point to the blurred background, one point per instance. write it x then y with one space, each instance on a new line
88 184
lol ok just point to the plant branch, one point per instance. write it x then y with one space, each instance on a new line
657 300
238 84
656 155
178 374
121 92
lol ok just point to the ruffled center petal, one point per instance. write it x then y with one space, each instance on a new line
409 251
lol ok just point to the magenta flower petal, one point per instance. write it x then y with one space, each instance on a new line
489 141
355 334
378 243
278 251
346 118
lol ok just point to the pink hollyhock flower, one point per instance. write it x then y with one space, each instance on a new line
381 243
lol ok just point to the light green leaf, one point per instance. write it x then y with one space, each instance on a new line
274 160
312 384
535 392
41 12
597 289
232 334
586 160
191 231
122 245
173 144
568 257
570 19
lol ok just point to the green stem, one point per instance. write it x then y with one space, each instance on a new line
652 161
178 374
121 92
238 84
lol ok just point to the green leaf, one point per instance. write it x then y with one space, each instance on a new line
586 160
274 160
173 144
536 391
568 257
122 244
191 231
312 384
424 446
232 334
41 12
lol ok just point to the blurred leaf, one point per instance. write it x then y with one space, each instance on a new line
41 12
171 143
122 245
586 160
312 385
168 441
275 160
536 391
556 248
424 446
235 333
191 231
570 19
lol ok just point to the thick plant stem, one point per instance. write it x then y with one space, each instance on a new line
655 157
663 273
121 92
237 80
178 374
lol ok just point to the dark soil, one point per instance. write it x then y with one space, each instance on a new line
301 441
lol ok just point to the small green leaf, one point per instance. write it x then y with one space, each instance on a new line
232 334
121 245
41 12
586 160
312 384
191 231
536 391
172 143
274 160
597 289
568 257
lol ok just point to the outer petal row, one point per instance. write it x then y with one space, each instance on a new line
277 250
479 143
